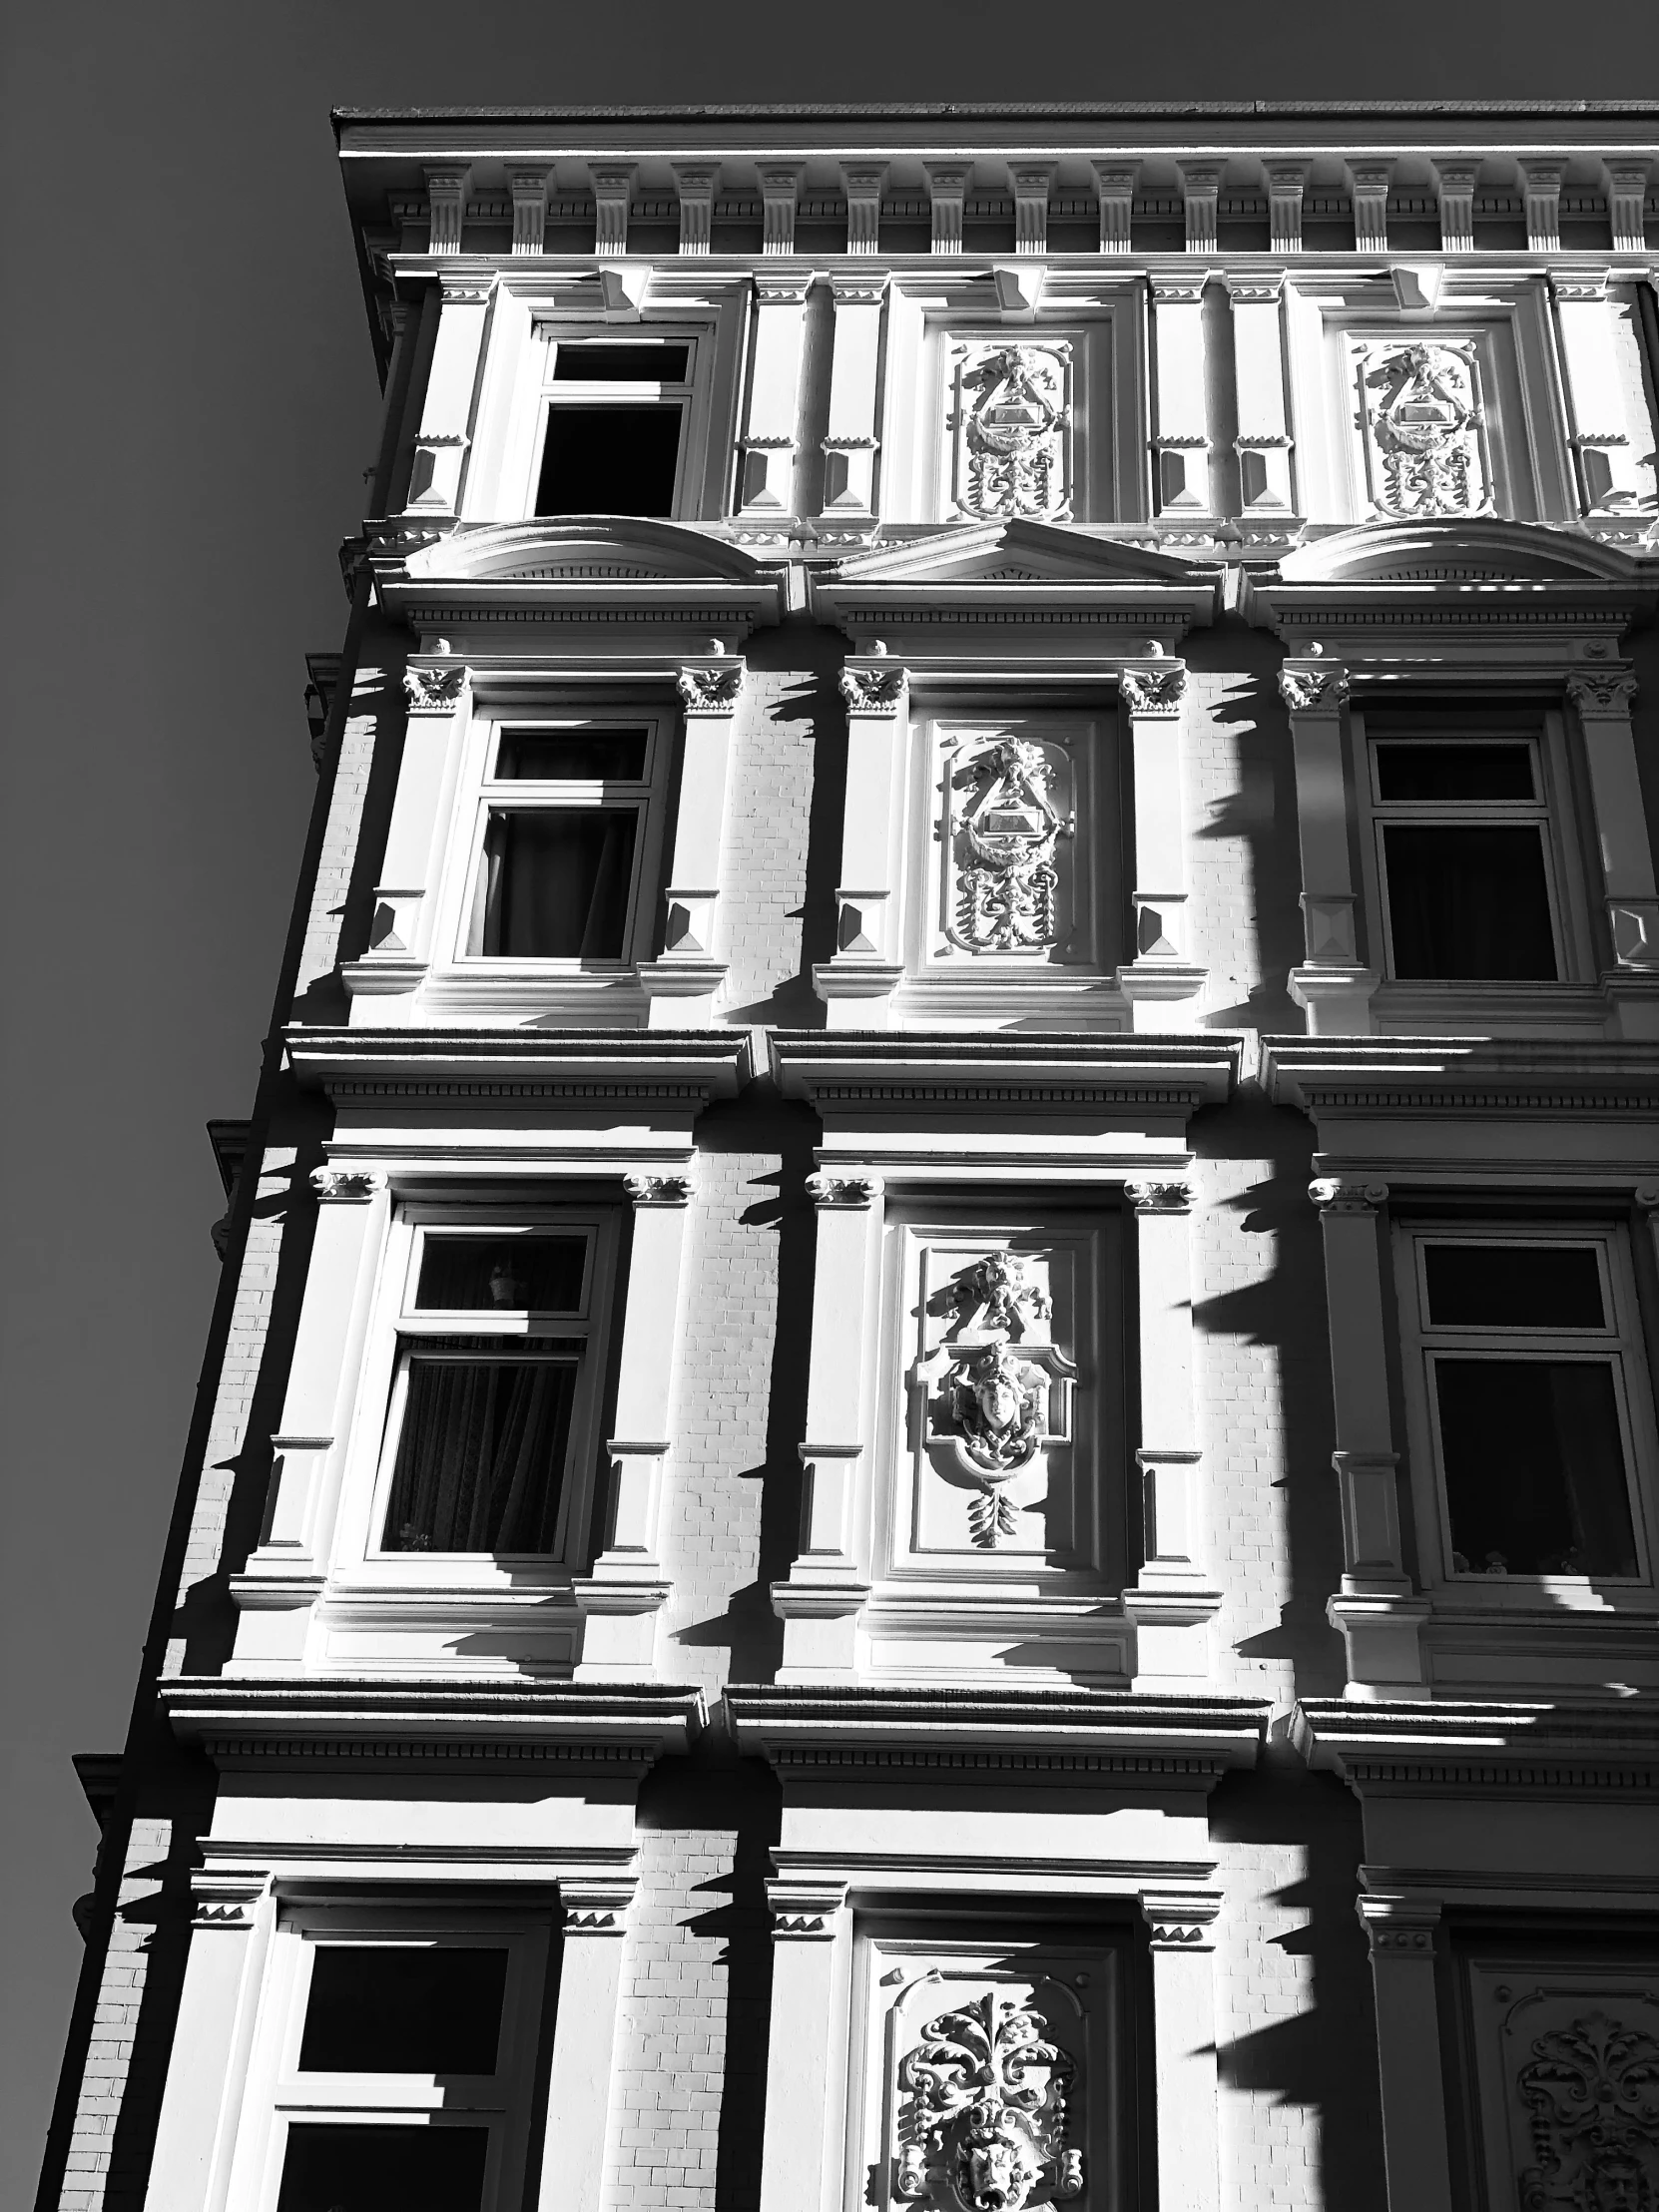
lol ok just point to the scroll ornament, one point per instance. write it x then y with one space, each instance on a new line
989 2100
1013 427
1591 2097
1006 888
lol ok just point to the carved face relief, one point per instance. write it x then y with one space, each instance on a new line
1590 2092
1012 421
987 2090
1419 411
1009 822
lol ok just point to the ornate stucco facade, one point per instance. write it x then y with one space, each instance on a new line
930 1470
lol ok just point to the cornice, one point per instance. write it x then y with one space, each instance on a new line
1609 1749
1445 1075
842 1074
686 1069
1032 1735
356 1724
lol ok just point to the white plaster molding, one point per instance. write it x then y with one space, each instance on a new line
446 190
347 1186
851 444
858 1192
613 189
1161 977
865 183
695 183
433 691
780 190
874 688
529 190
1031 182
1287 183
1541 188
711 688
1401 1936
947 183
1627 203
1179 1925
582 2073
1455 180
1115 183
1201 194
1369 183
659 1190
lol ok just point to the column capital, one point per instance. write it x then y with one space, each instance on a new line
659 1190
874 688
844 1193
711 686
347 1186
1181 1920
1332 1195
805 1911
1174 1197
1255 291
1317 689
1155 690
1399 1927
596 1905
433 691
784 288
1602 695
226 1897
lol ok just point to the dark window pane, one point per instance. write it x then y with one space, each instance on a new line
402 2008
1534 1468
556 883
1469 905
562 756
367 2169
620 365
1513 1287
609 461
1454 771
480 1462
540 1275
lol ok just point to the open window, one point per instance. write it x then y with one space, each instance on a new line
393 2058
1530 1404
566 834
614 422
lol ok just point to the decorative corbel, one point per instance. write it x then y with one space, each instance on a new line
780 190
1201 202
529 190
1116 183
865 183
1455 182
1369 183
1627 204
1542 184
1286 183
947 183
613 189
446 190
1031 183
695 183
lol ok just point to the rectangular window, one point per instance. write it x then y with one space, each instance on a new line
1463 854
492 1389
392 2063
1529 1363
614 427
566 823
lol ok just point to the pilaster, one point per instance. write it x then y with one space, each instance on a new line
583 2071
1270 521
231 1916
1601 698
1161 982
1402 1933
812 1931
1378 1618
683 982
1615 470
400 944
1332 986
1184 492
1179 1925
768 488
852 444
858 981
446 417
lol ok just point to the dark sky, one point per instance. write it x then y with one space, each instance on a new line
188 407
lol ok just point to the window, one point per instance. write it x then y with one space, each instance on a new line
1463 854
565 828
614 428
392 2064
492 1389
1532 1401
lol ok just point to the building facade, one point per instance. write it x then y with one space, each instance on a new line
929 1468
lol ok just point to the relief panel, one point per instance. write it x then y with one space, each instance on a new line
1420 410
1568 2079
987 2076
1011 426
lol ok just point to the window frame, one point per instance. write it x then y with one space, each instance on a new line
536 393
1542 730
484 794
396 1331
1621 1345
600 391
279 2096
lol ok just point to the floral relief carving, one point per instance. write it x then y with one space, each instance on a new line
1590 2092
1007 886
1602 692
432 691
711 688
988 2090
1312 691
873 690
998 1402
1420 410
1153 691
1012 424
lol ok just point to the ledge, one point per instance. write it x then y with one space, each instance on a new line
331 1723
1079 1071
1610 1745
582 1066
1058 1732
1469 1074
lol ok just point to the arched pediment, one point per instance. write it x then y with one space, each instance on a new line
1012 553
1457 552
582 549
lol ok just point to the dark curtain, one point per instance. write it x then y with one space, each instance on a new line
480 1462
556 884
1469 906
1534 1466
355 2168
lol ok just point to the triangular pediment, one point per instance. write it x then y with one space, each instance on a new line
999 554
1457 552
582 549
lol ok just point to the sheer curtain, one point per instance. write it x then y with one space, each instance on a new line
480 1462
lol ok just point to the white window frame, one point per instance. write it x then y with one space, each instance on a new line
917 1224
396 1331
1620 1345
483 793
608 392
277 2096
1542 731
1094 848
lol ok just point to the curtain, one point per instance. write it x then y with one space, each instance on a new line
1468 904
556 883
480 1462
1534 1466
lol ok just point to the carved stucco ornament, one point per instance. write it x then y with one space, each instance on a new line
1007 883
989 2110
1013 431
1420 409
1591 2097
1002 1290
995 1405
